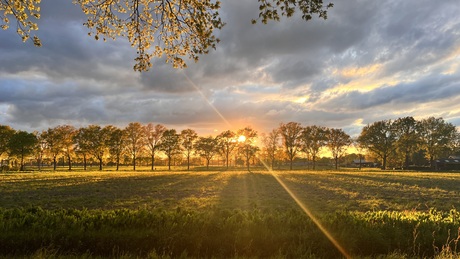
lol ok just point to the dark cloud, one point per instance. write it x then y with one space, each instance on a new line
368 61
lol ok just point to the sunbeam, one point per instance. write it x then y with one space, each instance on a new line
307 211
286 188
206 99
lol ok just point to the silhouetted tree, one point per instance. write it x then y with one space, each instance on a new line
313 138
379 138
226 142
135 140
206 147
187 140
436 137
153 134
290 134
247 143
170 144
21 144
337 141
271 143
407 138
115 142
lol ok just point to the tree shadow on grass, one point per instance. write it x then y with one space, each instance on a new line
111 191
254 190
363 193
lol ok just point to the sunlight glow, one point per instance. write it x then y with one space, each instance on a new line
242 138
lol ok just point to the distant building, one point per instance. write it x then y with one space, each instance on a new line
450 163
363 163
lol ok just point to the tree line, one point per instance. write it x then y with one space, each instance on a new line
394 142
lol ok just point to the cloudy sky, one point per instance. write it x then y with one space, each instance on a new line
370 60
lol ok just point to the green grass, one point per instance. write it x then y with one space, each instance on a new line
226 214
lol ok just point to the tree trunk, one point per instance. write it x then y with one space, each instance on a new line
39 164
54 163
22 163
188 162
290 165
134 163
406 161
70 163
314 162
153 161
169 162
84 162
336 158
100 164
118 161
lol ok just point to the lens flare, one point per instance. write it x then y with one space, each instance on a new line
280 181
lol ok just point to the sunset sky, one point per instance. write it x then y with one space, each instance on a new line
369 61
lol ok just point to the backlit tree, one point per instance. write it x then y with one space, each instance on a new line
338 141
187 141
156 28
290 133
379 138
153 134
170 144
313 139
135 140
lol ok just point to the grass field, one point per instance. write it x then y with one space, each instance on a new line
225 214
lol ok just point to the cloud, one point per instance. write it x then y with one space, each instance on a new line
368 61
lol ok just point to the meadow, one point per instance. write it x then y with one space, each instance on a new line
230 214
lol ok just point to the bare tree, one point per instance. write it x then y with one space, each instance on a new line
271 143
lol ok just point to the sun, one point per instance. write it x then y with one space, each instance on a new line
241 138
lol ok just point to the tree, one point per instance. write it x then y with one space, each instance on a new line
39 148
407 138
187 140
246 141
379 138
337 142
291 133
436 137
66 134
313 138
271 144
6 132
135 140
173 28
53 144
206 147
170 144
96 139
115 142
153 139
226 142
22 144
82 142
